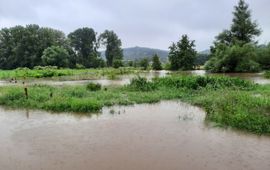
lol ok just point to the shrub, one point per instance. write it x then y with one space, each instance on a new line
196 82
267 74
144 63
156 64
117 63
55 56
233 59
93 86
79 66
141 84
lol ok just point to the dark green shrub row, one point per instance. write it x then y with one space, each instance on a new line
142 84
196 82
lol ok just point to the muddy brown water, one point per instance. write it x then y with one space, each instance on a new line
169 135
104 81
125 79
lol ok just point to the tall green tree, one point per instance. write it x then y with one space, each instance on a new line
233 48
84 42
243 29
23 46
182 55
156 64
144 63
113 47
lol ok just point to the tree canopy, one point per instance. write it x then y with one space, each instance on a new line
84 42
156 64
23 46
55 56
113 47
234 49
182 54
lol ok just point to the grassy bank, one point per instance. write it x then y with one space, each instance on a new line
44 72
227 101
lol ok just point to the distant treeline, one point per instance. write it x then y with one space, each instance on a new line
33 45
234 49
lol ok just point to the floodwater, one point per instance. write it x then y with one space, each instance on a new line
125 79
165 136
118 81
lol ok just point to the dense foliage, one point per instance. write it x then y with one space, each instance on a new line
156 64
263 56
233 50
267 74
55 56
233 59
32 46
113 48
24 46
84 42
144 63
182 54
93 86
201 59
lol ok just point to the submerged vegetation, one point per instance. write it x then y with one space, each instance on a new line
228 101
49 71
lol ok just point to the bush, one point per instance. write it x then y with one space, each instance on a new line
197 82
267 74
156 64
93 86
248 66
55 56
141 84
263 56
117 63
144 63
233 59
79 66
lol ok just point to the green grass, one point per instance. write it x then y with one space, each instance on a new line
229 102
44 72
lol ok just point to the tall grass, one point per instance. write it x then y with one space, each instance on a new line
43 72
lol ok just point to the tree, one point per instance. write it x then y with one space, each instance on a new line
55 56
201 59
182 55
84 42
232 48
23 46
156 64
144 63
113 47
263 56
230 59
243 29
117 63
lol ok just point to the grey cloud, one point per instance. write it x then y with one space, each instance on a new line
151 23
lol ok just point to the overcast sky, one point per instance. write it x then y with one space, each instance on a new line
147 23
